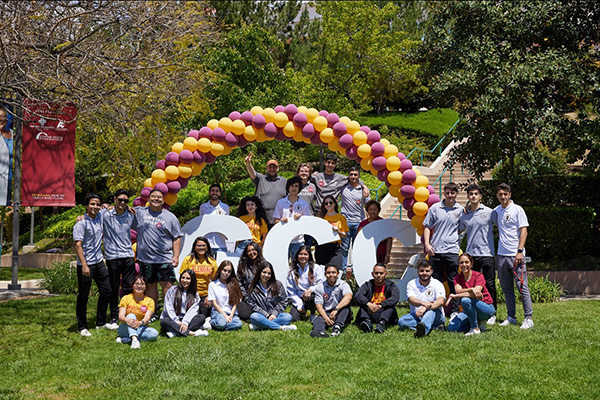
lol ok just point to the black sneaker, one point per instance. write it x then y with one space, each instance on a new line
441 328
421 328
380 327
153 318
318 334
336 330
366 326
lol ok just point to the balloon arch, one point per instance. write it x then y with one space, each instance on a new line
340 134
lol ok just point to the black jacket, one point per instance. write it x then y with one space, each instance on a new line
365 294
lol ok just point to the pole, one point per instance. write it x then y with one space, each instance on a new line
14 285
31 230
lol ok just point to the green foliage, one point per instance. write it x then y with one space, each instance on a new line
585 263
58 228
540 289
62 279
436 122
24 273
536 161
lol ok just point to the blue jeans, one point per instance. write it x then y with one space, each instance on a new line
474 310
143 333
218 322
431 319
262 322
347 241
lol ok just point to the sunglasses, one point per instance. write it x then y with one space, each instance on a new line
329 203
122 200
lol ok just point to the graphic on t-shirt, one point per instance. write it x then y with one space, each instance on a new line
429 292
321 183
378 295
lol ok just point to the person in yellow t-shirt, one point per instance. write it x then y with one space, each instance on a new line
135 311
252 212
331 253
203 263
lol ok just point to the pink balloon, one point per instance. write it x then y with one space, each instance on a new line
258 121
199 157
340 129
194 133
290 110
401 156
351 152
280 136
247 117
407 191
219 134
372 138
346 141
145 193
300 119
186 156
174 186
162 187
408 204
332 119
279 108
431 189
365 129
161 164
183 182
210 158
405 165
379 162
382 175
316 140
234 115
231 140
324 113
172 158
242 142
433 198
205 132
377 148
409 177
137 202
308 130
271 130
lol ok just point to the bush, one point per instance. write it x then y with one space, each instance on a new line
540 288
62 279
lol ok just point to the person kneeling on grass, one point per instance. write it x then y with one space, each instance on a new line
224 293
135 311
475 299
332 300
180 316
426 296
268 299
377 299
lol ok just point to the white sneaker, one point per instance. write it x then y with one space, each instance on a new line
110 326
289 328
85 333
482 326
207 326
170 335
123 340
473 331
509 321
252 327
492 320
135 343
527 323
453 315
201 332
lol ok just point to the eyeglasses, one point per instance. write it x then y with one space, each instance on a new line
122 200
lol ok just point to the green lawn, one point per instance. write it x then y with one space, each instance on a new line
435 122
24 273
42 356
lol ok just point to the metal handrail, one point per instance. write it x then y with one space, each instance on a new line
434 147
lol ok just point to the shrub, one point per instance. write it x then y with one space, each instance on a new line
62 279
540 288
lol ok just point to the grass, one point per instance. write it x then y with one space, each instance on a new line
24 273
435 122
42 356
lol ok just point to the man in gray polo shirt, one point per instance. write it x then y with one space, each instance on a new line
270 187
442 240
87 235
332 300
353 208
158 244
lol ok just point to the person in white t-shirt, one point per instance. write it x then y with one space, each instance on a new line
215 206
224 293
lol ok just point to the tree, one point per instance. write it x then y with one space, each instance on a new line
514 71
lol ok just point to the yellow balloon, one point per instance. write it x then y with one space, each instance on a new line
204 145
420 208
260 136
364 150
289 129
280 119
190 144
420 231
421 182
250 133
400 197
311 114
216 149
256 110
393 163
298 136
177 147
345 120
269 114
395 178
170 198
148 183
373 171
359 138
353 127
417 221
417 171
225 124
238 126
158 175
334 145
320 123
302 109
366 163
326 135
185 170
385 142
213 124
395 190
197 168
421 194
226 150
305 139
390 151
172 172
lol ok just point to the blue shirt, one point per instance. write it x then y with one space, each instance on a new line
156 233
89 232
443 221
117 238
480 234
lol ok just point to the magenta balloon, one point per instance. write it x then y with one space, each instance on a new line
231 140
280 136
219 134
388 184
308 130
340 129
183 182
407 191
194 133
372 138
352 153
174 186
316 140
205 132
162 187
235 115
258 121
377 149
379 162
401 156
409 177
270 130
186 156
433 198
172 158
145 193
210 158
290 110
408 204
137 202
199 157
161 164
242 142
324 113
405 164
346 141
431 189
300 119
365 129
382 175
332 119
279 108
247 117
410 214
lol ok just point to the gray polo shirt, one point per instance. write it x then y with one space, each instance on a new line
330 296
89 232
269 191
117 238
480 232
328 185
443 221
156 233
353 204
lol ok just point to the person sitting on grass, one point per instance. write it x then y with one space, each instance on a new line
135 311
248 265
180 316
268 299
377 299
475 299
303 277
224 293
426 296
332 300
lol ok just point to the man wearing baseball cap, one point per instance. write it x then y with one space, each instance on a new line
270 187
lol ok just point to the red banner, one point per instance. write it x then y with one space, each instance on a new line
48 154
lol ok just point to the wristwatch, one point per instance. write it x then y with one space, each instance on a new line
520 251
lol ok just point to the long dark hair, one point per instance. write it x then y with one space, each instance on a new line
191 291
261 214
233 287
209 253
295 267
246 262
272 286
323 210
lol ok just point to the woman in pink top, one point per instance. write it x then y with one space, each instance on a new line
476 301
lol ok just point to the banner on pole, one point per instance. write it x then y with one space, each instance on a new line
48 177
